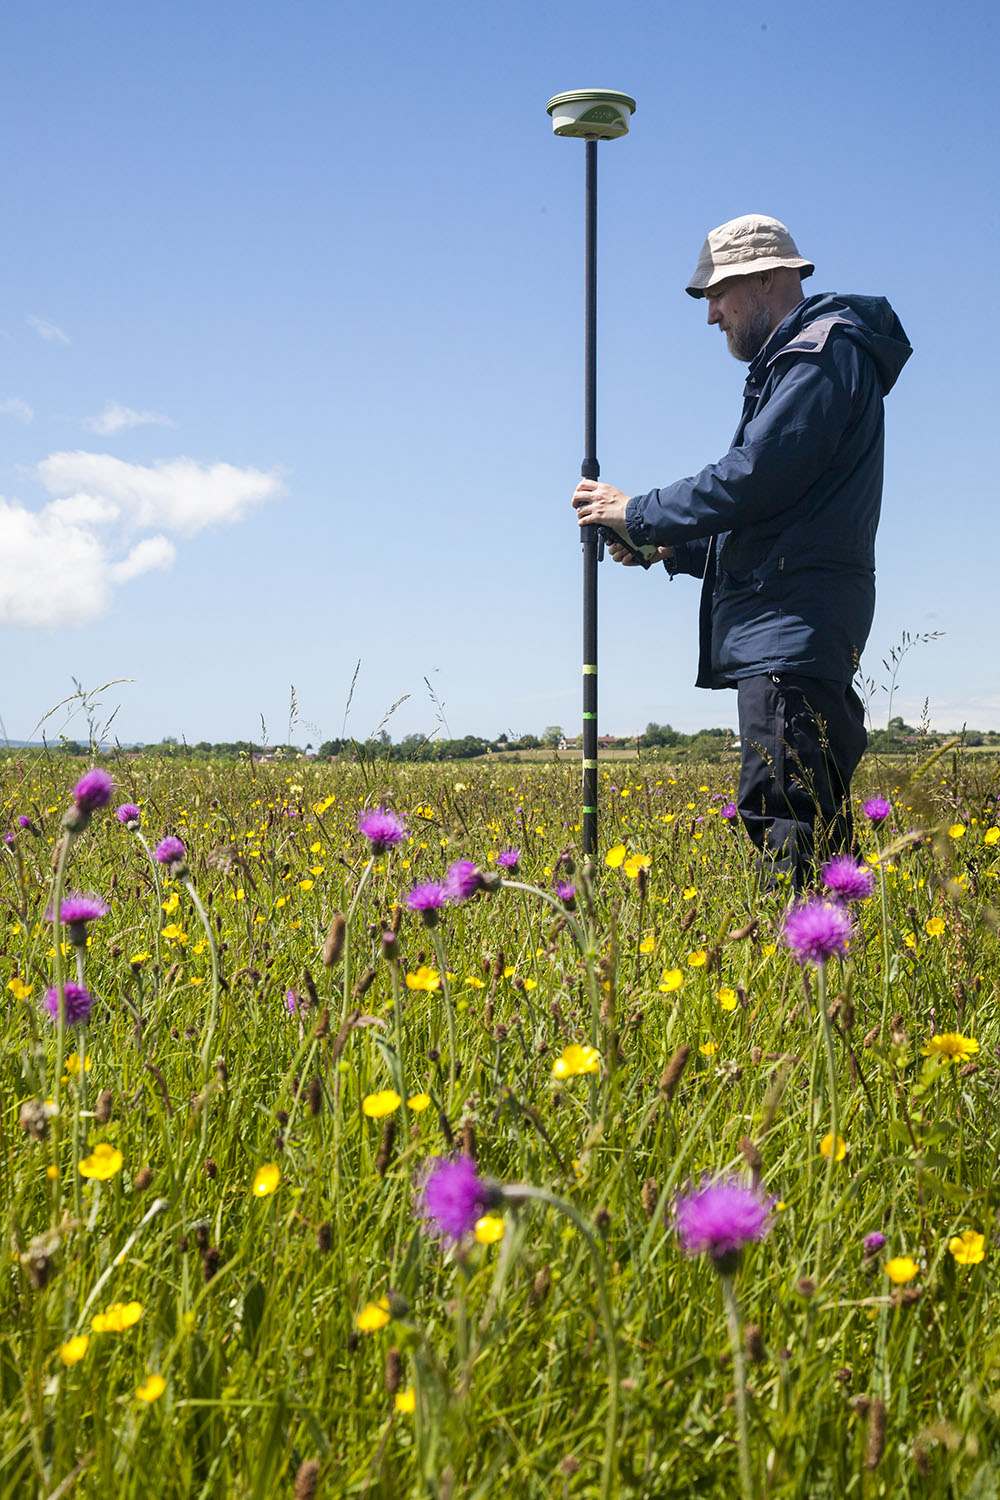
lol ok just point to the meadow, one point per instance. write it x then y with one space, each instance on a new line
313 1187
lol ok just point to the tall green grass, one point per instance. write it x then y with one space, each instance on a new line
249 1304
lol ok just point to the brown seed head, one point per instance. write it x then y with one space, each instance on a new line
393 1370
104 1106
143 1178
324 1238
650 1196
315 1095
674 1070
753 1343
307 1480
334 946
876 1435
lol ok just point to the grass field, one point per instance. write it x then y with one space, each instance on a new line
220 1279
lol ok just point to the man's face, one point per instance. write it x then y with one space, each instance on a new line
741 312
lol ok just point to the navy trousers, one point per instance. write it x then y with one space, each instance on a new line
802 739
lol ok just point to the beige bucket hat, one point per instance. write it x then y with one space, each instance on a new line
752 243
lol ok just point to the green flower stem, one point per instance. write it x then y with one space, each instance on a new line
526 1193
831 1077
347 954
60 978
449 1010
213 1020
739 1386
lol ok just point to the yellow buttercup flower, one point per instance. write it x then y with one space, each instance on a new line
116 1318
708 1049
991 835
826 1147
382 1103
18 988
728 998
424 979
647 945
635 863
968 1248
951 1047
103 1162
266 1179
74 1349
698 958
956 831
672 980
418 1102
901 1269
689 892
405 1401
489 1229
575 1059
615 857
934 926
172 902
73 1064
152 1387
373 1316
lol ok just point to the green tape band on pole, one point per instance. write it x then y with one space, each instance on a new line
587 715
590 765
590 809
589 671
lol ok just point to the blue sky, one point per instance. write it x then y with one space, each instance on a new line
291 318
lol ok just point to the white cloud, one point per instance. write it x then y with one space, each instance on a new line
15 407
62 563
115 416
47 331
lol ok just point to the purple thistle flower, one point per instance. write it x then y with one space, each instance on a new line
462 880
509 859
453 1196
78 908
719 1218
427 899
292 1002
382 829
876 810
873 1243
847 880
171 851
128 813
816 930
10 838
93 791
565 890
729 811
24 822
79 1003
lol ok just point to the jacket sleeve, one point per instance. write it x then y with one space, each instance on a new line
689 557
784 449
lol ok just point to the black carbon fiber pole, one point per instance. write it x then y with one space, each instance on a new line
590 115
590 469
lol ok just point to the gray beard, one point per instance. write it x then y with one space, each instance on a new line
746 342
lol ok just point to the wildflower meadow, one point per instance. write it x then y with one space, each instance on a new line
359 1139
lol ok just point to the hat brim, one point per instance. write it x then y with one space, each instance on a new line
700 283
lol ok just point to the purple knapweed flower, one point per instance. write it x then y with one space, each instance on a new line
93 791
462 880
876 810
292 1002
453 1196
427 899
24 822
10 838
729 811
79 1003
76 910
509 859
171 852
816 930
719 1218
382 829
128 813
873 1243
847 880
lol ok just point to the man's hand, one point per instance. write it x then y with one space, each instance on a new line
623 554
599 504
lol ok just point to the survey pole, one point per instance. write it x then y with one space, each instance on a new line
591 115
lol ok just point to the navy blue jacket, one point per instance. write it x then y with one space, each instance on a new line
782 530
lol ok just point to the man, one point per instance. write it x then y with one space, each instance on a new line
782 531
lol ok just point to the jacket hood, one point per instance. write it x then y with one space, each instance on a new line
870 321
